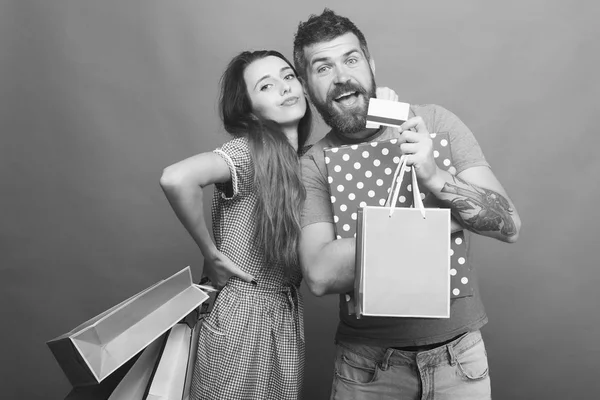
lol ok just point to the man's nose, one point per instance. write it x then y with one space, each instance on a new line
341 75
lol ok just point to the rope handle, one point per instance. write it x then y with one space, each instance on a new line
397 184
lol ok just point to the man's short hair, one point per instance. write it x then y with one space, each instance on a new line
323 28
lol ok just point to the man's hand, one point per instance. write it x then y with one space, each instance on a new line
418 147
385 93
219 268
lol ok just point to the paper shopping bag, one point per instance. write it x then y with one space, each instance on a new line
169 380
92 351
135 384
203 313
102 391
360 175
402 261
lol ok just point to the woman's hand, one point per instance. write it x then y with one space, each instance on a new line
219 268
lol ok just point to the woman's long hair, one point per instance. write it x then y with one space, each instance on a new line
277 176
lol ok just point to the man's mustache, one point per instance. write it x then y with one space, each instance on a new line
346 87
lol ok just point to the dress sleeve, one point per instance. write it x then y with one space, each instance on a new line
236 154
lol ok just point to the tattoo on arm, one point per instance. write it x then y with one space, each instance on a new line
478 209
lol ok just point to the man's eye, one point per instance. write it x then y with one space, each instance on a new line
322 69
352 61
265 87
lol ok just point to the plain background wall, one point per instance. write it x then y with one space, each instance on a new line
97 97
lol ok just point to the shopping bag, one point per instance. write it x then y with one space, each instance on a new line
360 175
192 359
203 313
91 352
169 380
135 383
102 391
403 257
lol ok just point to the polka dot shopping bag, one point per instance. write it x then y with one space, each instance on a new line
361 175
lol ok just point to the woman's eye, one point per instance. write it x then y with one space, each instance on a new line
352 61
289 77
265 87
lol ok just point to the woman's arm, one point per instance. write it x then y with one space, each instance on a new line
182 184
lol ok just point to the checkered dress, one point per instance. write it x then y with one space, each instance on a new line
252 344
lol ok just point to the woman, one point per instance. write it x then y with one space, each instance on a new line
252 344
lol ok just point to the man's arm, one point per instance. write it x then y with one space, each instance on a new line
477 200
479 203
327 264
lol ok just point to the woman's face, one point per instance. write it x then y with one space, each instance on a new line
275 91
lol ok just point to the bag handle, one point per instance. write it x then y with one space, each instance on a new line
397 182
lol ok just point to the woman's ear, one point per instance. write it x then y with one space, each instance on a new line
372 64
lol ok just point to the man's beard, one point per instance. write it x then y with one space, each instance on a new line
346 121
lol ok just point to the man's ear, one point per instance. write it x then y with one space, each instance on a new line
302 81
372 64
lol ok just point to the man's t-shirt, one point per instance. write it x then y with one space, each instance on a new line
466 313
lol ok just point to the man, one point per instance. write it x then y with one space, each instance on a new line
391 358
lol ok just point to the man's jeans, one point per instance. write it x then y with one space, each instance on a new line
456 370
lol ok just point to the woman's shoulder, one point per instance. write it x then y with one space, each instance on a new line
237 142
237 146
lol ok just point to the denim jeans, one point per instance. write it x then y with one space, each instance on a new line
456 370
